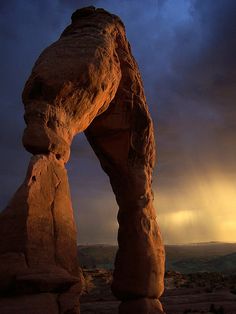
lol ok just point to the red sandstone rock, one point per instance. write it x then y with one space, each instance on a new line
44 303
72 82
123 139
86 81
11 263
40 244
69 301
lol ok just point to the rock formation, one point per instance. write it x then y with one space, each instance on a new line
87 81
38 249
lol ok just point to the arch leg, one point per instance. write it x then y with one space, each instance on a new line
139 265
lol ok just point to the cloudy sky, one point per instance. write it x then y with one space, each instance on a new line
186 51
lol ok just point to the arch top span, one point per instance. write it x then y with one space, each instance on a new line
73 81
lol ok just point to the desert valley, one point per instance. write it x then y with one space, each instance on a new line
200 278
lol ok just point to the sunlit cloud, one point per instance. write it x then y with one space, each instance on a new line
203 209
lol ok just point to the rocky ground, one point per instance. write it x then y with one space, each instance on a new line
193 293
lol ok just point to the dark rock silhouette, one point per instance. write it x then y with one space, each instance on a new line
86 81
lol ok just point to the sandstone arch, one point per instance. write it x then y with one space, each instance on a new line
86 81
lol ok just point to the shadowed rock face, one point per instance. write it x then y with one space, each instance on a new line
86 81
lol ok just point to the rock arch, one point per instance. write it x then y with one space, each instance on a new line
87 81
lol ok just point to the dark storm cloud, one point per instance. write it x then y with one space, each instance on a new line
210 71
195 87
186 52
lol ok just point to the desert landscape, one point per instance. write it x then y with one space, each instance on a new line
122 197
199 278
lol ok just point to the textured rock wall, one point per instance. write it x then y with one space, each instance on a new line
38 248
72 82
86 81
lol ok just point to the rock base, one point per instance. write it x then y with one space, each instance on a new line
43 303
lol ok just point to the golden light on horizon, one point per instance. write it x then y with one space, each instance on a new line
204 210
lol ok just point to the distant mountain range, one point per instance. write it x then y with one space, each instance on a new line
224 264
188 258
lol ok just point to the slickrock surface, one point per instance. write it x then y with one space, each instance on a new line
87 81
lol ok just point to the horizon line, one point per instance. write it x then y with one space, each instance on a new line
165 244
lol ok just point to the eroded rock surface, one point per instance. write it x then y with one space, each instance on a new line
38 251
72 82
88 81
